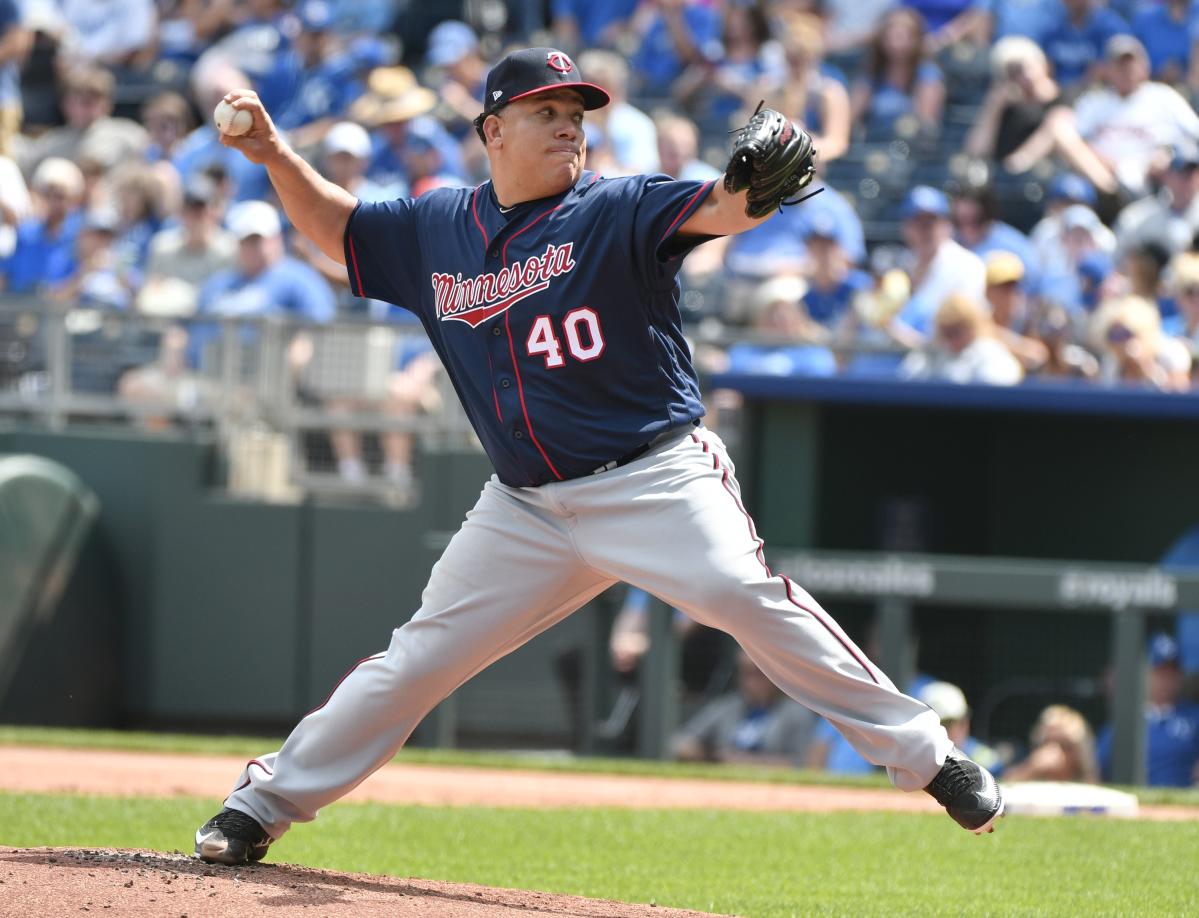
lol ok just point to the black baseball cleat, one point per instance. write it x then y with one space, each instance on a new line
968 792
231 837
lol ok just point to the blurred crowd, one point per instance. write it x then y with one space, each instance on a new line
1009 191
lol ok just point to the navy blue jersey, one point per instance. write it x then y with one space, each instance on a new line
557 320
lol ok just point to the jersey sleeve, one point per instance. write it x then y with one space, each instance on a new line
383 252
663 205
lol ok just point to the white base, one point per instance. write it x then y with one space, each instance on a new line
1061 798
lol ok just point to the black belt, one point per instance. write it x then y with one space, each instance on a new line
639 451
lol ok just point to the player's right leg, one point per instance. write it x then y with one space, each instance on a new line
509 573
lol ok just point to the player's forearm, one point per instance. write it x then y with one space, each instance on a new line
721 214
316 207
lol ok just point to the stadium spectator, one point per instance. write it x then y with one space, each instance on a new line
1134 351
1143 266
590 23
187 27
101 279
1075 265
182 257
44 253
1054 327
833 281
15 41
1021 93
678 149
1182 284
1075 41
976 224
112 33
946 22
849 25
1172 753
1062 748
1048 235
326 81
1115 133
90 131
1169 218
757 724
671 35
964 348
460 73
810 94
721 90
898 80
1031 19
950 704
939 265
15 204
1166 30
628 132
167 118
1010 313
783 338
202 152
261 45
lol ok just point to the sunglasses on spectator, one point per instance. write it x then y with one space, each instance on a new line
1118 334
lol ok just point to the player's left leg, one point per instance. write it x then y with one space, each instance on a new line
673 523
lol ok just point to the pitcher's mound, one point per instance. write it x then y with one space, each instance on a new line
61 881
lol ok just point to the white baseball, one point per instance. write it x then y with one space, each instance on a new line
230 120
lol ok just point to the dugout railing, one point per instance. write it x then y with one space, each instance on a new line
900 585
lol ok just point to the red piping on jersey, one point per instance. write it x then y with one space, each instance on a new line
354 261
495 395
728 480
475 213
686 207
520 388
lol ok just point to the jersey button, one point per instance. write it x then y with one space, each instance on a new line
497 331
505 383
493 252
519 434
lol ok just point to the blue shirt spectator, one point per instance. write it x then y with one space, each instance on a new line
888 102
778 244
1172 726
1074 45
827 306
592 18
938 13
657 60
42 255
1166 32
1031 18
202 150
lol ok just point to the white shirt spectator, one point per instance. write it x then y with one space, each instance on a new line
14 204
954 269
985 360
1127 131
1154 220
105 30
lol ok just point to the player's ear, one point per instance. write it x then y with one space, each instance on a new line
493 130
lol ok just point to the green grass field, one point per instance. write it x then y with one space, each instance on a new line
751 864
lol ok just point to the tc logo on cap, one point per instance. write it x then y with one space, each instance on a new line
559 62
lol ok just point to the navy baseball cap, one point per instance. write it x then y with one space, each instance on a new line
924 199
533 70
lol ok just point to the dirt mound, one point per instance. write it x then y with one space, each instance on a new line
60 881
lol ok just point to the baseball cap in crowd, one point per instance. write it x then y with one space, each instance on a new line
531 71
1069 186
253 218
1004 267
822 224
1163 650
200 189
946 699
315 16
1124 45
102 220
924 199
1184 157
1079 216
347 137
449 42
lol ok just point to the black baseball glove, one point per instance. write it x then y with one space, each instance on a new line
773 158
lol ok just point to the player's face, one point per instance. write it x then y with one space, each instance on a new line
542 140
